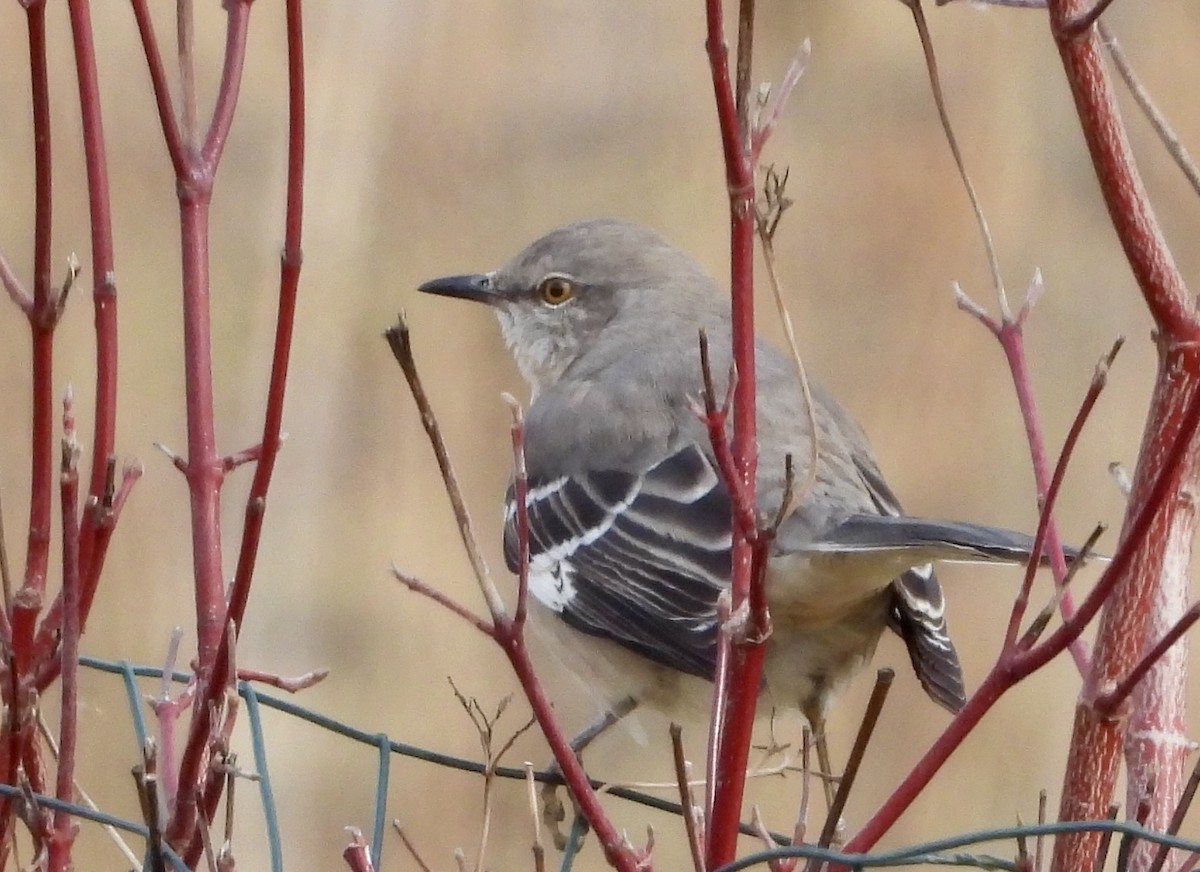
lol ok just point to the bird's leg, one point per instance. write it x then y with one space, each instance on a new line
828 779
553 812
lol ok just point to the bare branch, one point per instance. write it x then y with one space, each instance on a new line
399 340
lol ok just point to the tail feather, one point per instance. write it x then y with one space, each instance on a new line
931 539
918 616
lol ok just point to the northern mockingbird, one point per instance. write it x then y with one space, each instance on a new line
630 520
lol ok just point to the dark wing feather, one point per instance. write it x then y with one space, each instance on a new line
636 558
918 612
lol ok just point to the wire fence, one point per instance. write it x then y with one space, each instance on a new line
948 851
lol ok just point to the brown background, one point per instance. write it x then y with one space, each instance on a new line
443 137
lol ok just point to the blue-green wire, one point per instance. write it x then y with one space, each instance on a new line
135 703
274 845
941 851
381 793
574 842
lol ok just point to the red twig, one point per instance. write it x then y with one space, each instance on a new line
205 467
41 323
716 420
41 310
1047 497
104 292
1010 333
63 835
510 635
417 585
358 853
739 680
104 514
506 631
176 147
289 285
291 684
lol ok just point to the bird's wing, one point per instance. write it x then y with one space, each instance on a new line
918 613
639 558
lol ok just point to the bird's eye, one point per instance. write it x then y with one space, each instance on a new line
556 290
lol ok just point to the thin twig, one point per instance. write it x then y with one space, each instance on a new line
292 684
939 100
418 586
15 289
1095 387
883 683
765 126
766 241
715 417
1038 625
400 341
410 847
521 499
85 798
539 849
686 799
1039 842
1154 115
61 842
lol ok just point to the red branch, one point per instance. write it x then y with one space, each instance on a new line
41 311
1015 663
508 632
63 834
104 293
1010 333
1152 594
510 635
738 682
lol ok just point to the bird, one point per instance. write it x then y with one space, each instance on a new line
629 517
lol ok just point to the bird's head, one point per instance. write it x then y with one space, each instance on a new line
556 298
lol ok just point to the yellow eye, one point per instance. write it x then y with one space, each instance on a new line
556 290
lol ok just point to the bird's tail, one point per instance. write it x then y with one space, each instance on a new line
918 615
923 540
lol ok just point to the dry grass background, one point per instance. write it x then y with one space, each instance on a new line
444 136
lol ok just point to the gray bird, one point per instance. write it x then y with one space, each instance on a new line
630 520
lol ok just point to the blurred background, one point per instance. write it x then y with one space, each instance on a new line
442 138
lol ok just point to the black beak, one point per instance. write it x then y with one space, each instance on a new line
479 287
